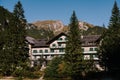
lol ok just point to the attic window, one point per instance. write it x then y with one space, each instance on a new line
60 39
53 45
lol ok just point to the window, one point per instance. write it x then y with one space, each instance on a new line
60 39
59 44
46 51
61 50
91 49
95 56
41 51
34 51
53 45
86 57
52 50
96 49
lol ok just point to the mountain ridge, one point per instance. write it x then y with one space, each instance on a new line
57 26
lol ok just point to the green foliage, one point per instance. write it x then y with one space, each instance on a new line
52 69
18 11
110 46
62 70
97 30
40 34
5 58
26 73
12 39
19 33
74 58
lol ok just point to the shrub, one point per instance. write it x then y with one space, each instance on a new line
52 70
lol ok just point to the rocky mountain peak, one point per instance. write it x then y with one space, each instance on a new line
54 25
57 26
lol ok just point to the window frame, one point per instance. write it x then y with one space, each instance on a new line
46 50
90 49
35 51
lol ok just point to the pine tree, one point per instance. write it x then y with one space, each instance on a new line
19 31
73 53
110 46
18 11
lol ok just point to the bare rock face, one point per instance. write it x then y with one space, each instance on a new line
55 26
85 25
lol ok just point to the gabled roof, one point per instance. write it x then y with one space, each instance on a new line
31 40
56 37
44 43
37 43
90 40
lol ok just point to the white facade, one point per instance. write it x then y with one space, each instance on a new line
57 48
90 51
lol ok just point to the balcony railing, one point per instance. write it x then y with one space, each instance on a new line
57 46
53 53
61 40
49 53
89 52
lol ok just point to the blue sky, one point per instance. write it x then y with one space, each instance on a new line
96 12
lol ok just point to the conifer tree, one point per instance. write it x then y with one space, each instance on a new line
19 31
73 53
18 11
110 46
